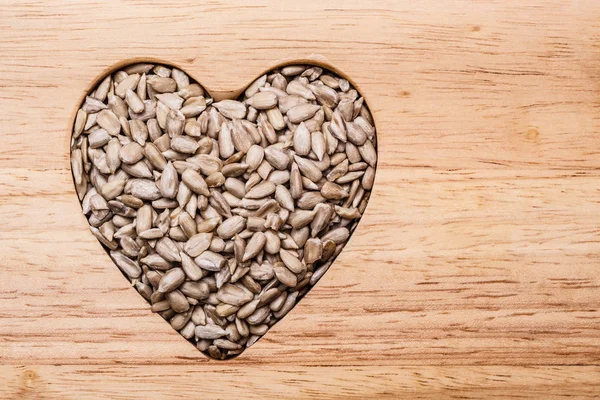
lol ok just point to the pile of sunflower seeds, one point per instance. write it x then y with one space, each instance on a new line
223 214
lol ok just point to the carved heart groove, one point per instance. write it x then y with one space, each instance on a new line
223 214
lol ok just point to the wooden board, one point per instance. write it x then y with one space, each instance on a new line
474 273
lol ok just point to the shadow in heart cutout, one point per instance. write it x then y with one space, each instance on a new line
223 214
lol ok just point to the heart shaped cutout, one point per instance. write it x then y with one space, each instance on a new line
223 214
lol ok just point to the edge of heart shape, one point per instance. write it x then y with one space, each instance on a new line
233 95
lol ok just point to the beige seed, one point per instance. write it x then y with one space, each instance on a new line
77 166
275 118
210 261
338 235
368 178
167 249
195 182
302 140
112 189
291 261
261 190
234 295
169 182
347 213
286 103
197 244
279 177
144 189
184 144
254 246
80 120
346 109
302 112
297 88
226 146
98 138
295 182
231 109
116 105
263 100
325 95
141 89
195 290
234 170
284 197
206 163
313 250
113 161
292 70
368 153
155 157
129 83
349 177
277 158
308 168
193 106
171 100
219 203
318 144
279 82
174 124
216 179
284 275
231 226
247 309
161 84
171 280
103 88
355 134
254 157
273 244
241 138
191 90
261 272
332 191
148 113
258 316
338 126
209 331
129 267
131 153
254 86
309 200
139 131
338 171
225 310
266 129
208 225
177 301
134 101
322 216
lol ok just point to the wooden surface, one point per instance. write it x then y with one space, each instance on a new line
474 272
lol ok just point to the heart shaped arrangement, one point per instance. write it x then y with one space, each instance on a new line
223 214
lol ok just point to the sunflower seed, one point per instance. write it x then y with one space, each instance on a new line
223 214
231 109
197 244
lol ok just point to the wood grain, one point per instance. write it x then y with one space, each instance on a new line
474 272
133 382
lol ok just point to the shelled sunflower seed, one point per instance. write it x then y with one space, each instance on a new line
223 214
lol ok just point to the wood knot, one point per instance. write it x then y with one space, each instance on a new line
475 28
29 378
532 133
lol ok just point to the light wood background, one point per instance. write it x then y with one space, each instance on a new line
474 273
